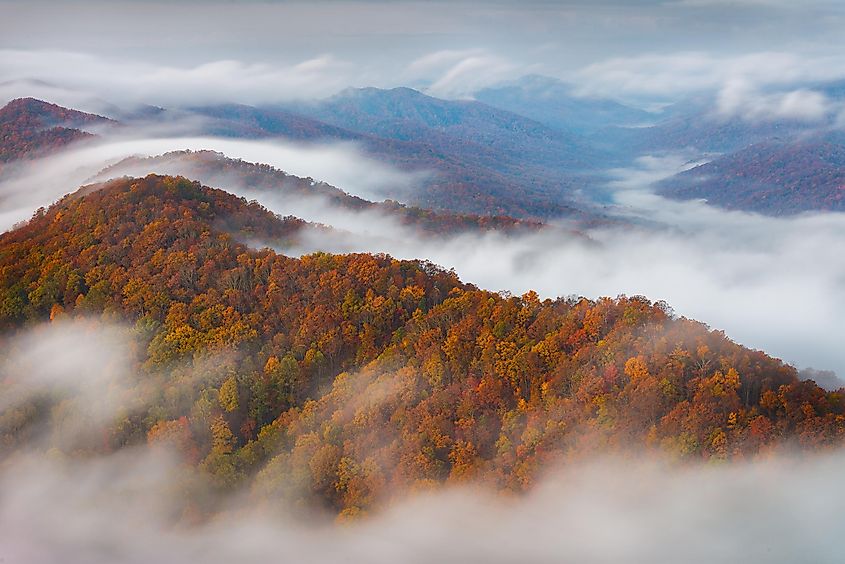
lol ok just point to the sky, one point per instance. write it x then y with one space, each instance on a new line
638 50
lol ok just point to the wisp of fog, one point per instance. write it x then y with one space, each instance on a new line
777 284
343 164
125 506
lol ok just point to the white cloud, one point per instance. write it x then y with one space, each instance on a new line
127 81
688 72
77 357
461 73
776 284
740 99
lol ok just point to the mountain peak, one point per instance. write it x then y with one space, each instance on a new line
372 92
46 111
30 126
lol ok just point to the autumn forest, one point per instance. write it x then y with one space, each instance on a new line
415 282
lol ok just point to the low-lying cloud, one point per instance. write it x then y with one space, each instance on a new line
738 99
776 284
680 74
77 358
44 181
117 509
129 506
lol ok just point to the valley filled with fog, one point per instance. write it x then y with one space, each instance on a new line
422 282
127 506
754 277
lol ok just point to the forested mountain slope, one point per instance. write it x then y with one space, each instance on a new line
775 178
406 114
239 120
338 381
487 160
29 127
215 169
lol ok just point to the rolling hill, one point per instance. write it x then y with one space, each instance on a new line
552 102
774 178
487 160
405 114
512 167
336 381
30 127
215 169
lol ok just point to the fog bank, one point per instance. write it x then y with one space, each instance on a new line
776 284
43 181
117 509
129 506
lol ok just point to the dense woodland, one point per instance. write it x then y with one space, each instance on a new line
471 148
774 178
215 169
484 161
339 381
30 127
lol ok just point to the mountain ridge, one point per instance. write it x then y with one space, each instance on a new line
30 127
341 379
773 177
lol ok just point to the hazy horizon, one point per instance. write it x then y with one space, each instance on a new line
643 51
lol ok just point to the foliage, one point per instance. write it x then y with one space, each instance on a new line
775 178
338 380
30 127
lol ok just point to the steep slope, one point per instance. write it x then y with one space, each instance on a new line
239 120
215 169
29 127
341 380
405 114
775 178
486 160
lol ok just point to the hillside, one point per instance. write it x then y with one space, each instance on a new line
29 127
238 120
338 381
487 161
215 169
405 114
774 178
